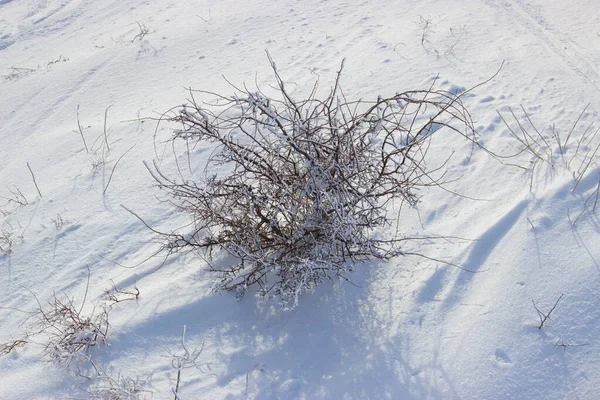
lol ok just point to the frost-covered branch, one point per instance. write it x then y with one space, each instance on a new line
307 183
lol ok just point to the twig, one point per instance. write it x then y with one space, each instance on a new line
105 135
113 169
543 317
425 25
574 125
34 181
596 200
112 295
18 196
531 223
184 361
143 32
142 221
585 205
204 19
587 165
81 131
6 348
87 287
560 343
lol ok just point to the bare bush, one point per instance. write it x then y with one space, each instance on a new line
304 186
65 332
69 333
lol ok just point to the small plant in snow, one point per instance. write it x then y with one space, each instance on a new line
17 198
69 333
6 241
60 222
65 331
182 361
18 72
116 295
8 238
576 151
121 388
305 185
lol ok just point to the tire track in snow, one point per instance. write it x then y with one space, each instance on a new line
40 19
570 53
49 109
44 23
355 28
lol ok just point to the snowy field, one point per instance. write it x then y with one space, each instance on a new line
521 231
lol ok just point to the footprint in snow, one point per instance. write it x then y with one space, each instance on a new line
487 99
501 359
456 90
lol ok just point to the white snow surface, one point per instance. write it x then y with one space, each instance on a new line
412 328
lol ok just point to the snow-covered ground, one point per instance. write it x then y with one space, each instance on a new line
412 328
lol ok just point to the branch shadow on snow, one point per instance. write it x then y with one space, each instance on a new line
333 345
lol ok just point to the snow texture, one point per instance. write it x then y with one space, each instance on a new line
410 328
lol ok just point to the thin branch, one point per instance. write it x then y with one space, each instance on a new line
34 181
544 317
105 135
560 343
113 169
80 129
